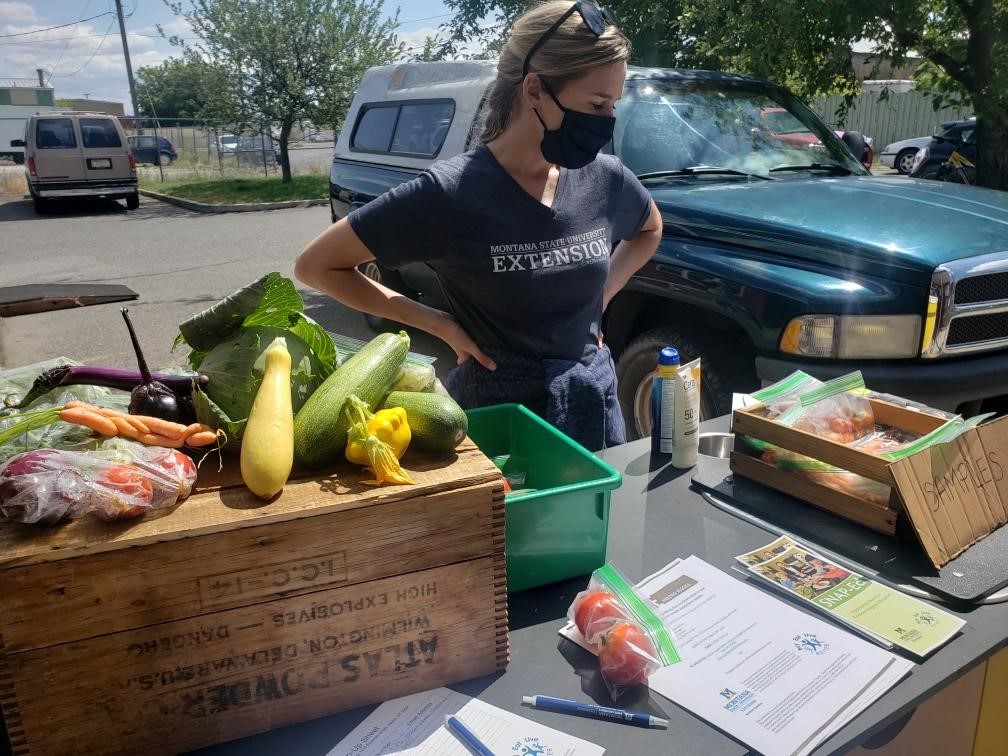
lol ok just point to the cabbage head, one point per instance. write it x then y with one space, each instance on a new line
235 367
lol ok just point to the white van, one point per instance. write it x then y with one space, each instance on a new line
78 154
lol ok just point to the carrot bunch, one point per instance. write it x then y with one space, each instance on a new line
151 431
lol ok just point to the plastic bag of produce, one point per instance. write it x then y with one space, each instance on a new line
779 397
837 411
118 480
624 630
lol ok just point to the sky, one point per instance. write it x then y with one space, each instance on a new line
84 57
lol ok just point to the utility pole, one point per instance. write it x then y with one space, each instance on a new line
126 55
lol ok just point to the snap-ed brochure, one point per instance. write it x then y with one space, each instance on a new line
865 604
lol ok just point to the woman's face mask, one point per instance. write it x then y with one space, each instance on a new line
578 139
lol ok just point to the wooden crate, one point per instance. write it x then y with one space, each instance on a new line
228 616
754 423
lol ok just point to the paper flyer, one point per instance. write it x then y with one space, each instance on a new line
856 600
414 725
778 679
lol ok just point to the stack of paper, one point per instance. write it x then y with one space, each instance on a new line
415 725
778 679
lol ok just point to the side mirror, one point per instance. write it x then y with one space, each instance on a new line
17 143
855 143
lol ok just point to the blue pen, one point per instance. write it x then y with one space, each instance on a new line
563 706
467 736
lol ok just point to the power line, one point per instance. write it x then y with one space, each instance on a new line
417 20
61 26
80 36
92 54
63 51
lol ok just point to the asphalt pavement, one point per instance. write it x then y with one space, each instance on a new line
178 261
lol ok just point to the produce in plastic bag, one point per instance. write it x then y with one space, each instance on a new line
414 376
835 411
822 473
779 397
118 480
623 629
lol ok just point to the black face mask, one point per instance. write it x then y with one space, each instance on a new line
579 138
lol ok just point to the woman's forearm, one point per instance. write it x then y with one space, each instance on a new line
630 255
355 290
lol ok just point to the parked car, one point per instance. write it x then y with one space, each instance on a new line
772 259
787 128
156 150
254 150
227 143
959 136
72 154
900 155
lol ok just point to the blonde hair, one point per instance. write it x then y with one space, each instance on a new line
569 53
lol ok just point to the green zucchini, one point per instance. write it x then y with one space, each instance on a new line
437 423
320 426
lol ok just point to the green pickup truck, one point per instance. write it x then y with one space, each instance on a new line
780 252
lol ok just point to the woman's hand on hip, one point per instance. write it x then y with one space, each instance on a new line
465 347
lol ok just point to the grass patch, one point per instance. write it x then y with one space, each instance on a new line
232 191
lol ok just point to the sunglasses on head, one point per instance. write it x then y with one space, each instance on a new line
594 17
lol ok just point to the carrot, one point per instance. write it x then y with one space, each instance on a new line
142 424
201 438
89 419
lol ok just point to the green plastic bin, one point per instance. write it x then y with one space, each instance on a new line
559 530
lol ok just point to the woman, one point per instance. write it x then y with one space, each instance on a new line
519 230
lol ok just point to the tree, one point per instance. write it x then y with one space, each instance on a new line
290 61
806 44
182 88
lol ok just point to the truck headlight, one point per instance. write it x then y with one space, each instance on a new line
847 337
919 158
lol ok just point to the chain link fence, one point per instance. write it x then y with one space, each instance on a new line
186 143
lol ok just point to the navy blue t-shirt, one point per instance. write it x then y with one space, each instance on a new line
517 274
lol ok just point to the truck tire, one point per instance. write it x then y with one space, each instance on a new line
41 204
392 280
635 374
132 201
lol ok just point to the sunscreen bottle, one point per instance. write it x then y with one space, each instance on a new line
663 409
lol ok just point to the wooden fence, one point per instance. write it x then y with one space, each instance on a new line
901 115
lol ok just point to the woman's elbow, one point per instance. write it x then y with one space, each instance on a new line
305 269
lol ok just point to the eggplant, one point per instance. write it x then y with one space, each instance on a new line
107 377
150 397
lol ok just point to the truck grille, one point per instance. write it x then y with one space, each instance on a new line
978 328
982 288
972 299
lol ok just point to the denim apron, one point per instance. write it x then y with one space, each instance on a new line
578 397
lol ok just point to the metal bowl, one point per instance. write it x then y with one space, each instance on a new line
716 444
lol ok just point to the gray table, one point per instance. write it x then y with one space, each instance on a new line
655 517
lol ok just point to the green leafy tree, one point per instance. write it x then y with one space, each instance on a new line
806 45
182 88
289 61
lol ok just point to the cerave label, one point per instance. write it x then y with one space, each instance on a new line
225 588
257 667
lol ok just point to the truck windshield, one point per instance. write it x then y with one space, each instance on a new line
669 126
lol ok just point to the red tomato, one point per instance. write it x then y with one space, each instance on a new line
596 612
180 470
626 654
130 492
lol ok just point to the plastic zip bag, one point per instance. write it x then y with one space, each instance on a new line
624 630
837 411
118 480
779 397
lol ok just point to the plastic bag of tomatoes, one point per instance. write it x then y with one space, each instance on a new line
837 411
623 629
117 480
